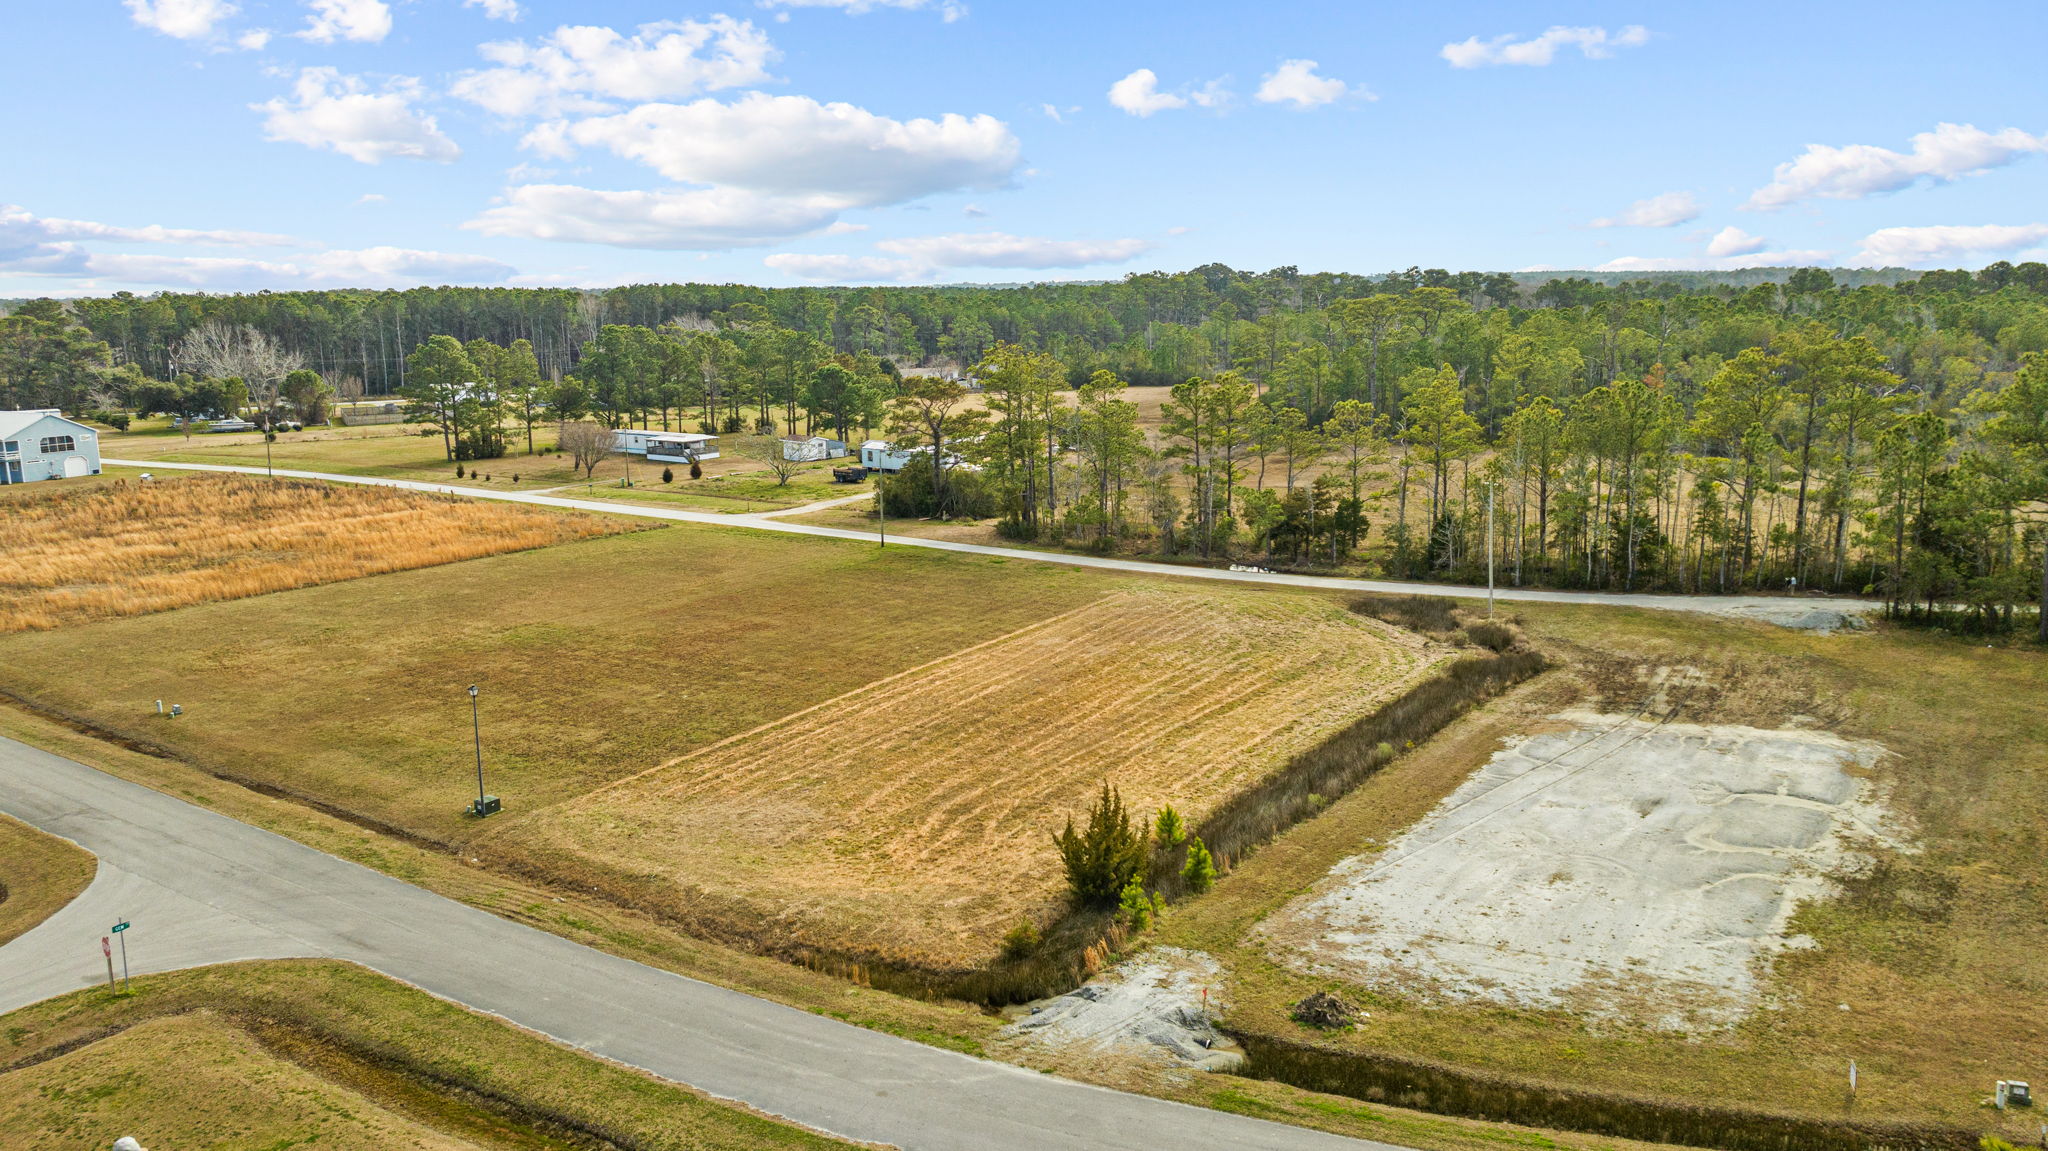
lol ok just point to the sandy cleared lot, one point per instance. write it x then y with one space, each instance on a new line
912 818
1613 864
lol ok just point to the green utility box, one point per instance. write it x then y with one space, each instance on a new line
484 805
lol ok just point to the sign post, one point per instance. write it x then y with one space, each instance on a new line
118 929
107 949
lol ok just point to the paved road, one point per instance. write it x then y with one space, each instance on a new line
202 888
1763 607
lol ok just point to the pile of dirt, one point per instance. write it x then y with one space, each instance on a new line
1156 1006
1325 1012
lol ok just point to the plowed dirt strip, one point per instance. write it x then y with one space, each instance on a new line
913 818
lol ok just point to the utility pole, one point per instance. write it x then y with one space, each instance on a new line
484 803
882 517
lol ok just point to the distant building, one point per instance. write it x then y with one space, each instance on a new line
811 449
41 444
666 447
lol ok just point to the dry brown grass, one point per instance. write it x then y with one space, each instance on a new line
128 549
911 819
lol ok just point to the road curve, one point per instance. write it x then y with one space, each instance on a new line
202 888
1735 605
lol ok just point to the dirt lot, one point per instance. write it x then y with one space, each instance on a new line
122 548
911 819
1615 864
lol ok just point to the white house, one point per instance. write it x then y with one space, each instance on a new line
40 444
811 449
883 456
666 447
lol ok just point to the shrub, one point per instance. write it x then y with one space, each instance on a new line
1021 941
1170 828
458 471
1200 869
668 475
733 425
1426 613
1103 860
1490 635
515 477
696 470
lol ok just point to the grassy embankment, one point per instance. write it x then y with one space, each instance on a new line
315 1053
1917 971
38 875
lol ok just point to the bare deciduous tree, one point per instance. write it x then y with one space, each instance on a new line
767 450
220 349
586 443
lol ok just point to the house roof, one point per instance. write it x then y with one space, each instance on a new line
11 423
669 437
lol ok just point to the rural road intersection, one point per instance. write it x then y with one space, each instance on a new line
1769 608
202 888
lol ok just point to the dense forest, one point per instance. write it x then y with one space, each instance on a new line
1879 432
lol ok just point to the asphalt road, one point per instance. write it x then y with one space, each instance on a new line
1759 606
202 888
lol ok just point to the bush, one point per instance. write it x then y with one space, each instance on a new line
733 426
1200 870
1104 859
1137 907
458 471
696 470
1022 940
1426 613
1490 635
1170 828
668 475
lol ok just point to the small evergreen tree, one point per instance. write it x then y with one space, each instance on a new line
696 470
1021 941
1200 869
1106 857
668 475
1137 907
458 471
1170 828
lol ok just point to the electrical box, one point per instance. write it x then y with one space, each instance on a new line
2013 1093
484 805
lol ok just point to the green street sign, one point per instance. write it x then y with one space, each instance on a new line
120 927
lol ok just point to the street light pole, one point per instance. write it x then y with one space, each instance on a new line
1489 549
477 730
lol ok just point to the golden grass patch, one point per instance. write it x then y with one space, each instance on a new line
128 549
911 819
39 874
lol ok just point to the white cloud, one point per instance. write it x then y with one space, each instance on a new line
1139 94
842 228
948 10
1733 241
365 21
847 269
507 10
330 110
380 267
1666 211
184 19
576 69
1787 259
1296 82
372 198
1002 250
254 40
18 226
1057 114
974 211
1593 43
706 219
1949 152
1947 243
795 146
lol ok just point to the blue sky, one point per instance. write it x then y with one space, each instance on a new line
240 144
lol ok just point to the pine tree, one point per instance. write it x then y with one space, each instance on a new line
1101 861
1200 869
1170 828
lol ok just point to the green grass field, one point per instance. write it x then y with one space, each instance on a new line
1928 953
38 874
319 1054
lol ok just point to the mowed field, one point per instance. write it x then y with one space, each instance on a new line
126 548
596 659
268 1056
912 819
39 874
